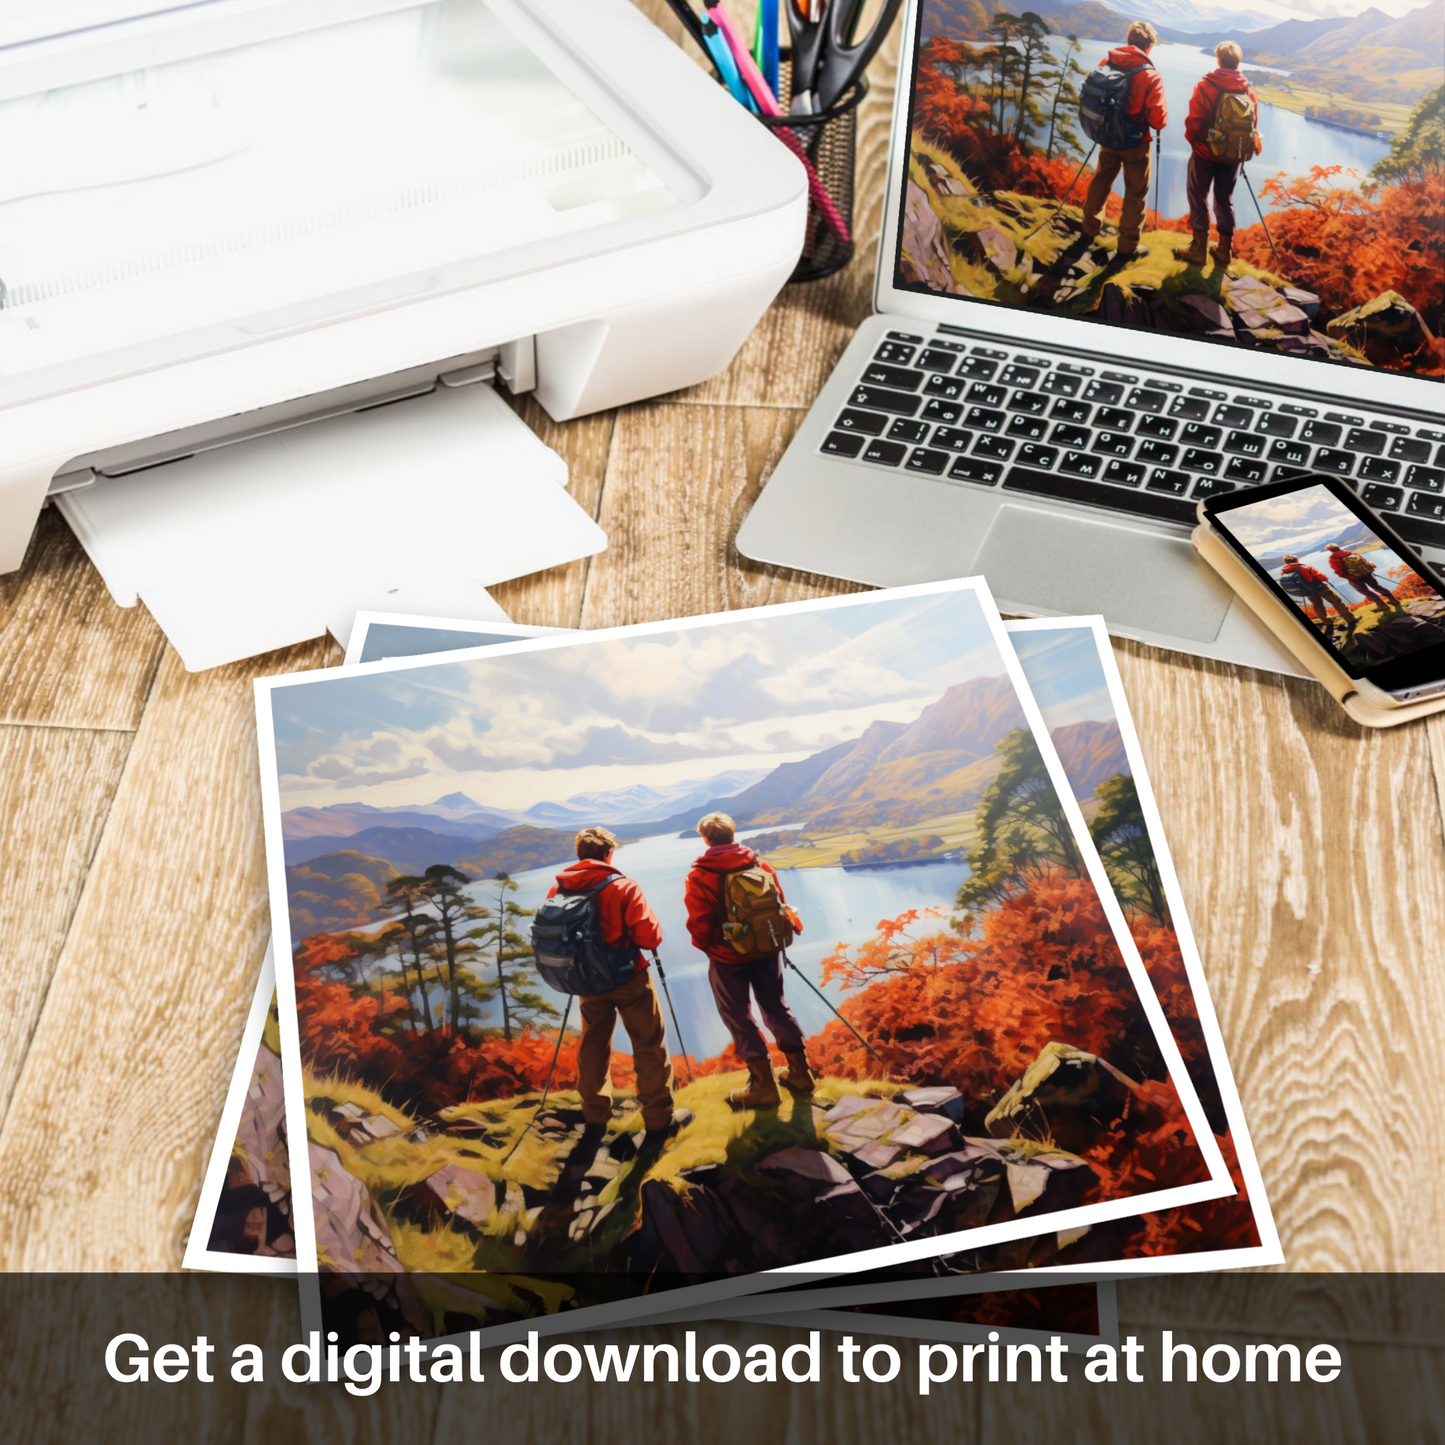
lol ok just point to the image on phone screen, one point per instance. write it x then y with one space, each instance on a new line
1366 602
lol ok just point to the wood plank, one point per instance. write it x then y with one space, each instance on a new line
73 659
56 786
679 483
554 598
111 1120
1314 868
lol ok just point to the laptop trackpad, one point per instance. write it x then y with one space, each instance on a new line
1074 565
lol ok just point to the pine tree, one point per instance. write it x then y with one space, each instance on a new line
1064 101
444 888
509 948
1121 833
414 934
1032 35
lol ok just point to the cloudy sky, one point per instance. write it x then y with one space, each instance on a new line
516 730
1283 524
1065 675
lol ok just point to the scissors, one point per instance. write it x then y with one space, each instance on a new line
827 54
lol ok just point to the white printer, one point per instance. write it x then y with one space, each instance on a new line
232 232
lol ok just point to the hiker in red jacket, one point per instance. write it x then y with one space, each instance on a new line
1146 105
736 981
1359 572
1222 135
1311 588
625 918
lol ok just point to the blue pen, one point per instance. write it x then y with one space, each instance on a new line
727 67
768 50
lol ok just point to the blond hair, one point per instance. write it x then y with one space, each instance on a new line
717 828
1228 54
595 843
1142 35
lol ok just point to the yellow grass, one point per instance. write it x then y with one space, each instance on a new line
956 830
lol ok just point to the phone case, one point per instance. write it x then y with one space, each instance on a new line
1270 611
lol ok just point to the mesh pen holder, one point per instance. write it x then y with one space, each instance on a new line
827 143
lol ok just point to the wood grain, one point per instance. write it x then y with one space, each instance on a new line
1311 856
679 483
56 786
70 657
109 1124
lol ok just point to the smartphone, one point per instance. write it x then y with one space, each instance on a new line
1356 587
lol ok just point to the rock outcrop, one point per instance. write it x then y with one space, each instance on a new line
924 249
1065 1095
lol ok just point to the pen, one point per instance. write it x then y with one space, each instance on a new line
765 42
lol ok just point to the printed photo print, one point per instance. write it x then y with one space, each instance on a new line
1273 181
1367 604
947 992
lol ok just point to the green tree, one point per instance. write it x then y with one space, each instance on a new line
1004 64
444 888
1020 827
1419 149
1064 100
1121 834
510 949
1032 38
413 936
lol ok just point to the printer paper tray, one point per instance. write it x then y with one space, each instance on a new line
417 506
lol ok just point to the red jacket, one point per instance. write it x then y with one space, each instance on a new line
705 900
1337 564
1306 572
621 908
1146 90
1201 110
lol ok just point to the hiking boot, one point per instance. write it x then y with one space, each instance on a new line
762 1088
1223 253
656 1138
1135 253
1196 253
799 1077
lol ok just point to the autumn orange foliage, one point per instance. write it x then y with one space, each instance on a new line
1409 583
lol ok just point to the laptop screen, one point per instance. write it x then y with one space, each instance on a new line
1248 181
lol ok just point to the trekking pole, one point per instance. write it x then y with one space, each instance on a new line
537 1114
1158 166
1054 215
667 992
1260 209
825 999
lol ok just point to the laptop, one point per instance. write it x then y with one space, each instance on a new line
1027 407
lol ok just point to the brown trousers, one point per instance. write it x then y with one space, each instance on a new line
635 1002
1134 162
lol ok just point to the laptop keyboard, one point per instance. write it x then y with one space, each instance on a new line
1138 443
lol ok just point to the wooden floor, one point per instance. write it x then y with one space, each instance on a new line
133 913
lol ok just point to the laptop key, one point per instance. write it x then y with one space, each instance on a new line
1377 469
948 387
1106 391
1034 403
931 462
1066 410
895 353
1440 457
1382 499
1245 444
935 409
1019 375
1424 504
1156 454
1272 424
905 336
933 359
971 469
1245 469
1124 474
1195 435
843 444
1233 416
985 395
1099 494
1163 480
1189 408
907 430
1322 433
1081 464
1406 449
1156 426
980 418
867 422
1061 383
1112 444
877 398
1372 443
953 438
1289 453
886 454
877 374
1142 398
1070 436
1031 428
1113 418
1211 487
996 448
1196 459
1426 479
1036 456
1328 459
978 368
1418 530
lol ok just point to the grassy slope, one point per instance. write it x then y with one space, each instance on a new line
1296 96
956 830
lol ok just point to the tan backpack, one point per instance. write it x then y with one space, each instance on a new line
755 923
1232 135
1357 566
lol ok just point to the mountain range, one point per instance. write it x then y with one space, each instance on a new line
1355 535
1090 753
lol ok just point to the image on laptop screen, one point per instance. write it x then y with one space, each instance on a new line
1255 173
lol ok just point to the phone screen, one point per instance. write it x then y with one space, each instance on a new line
1365 595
